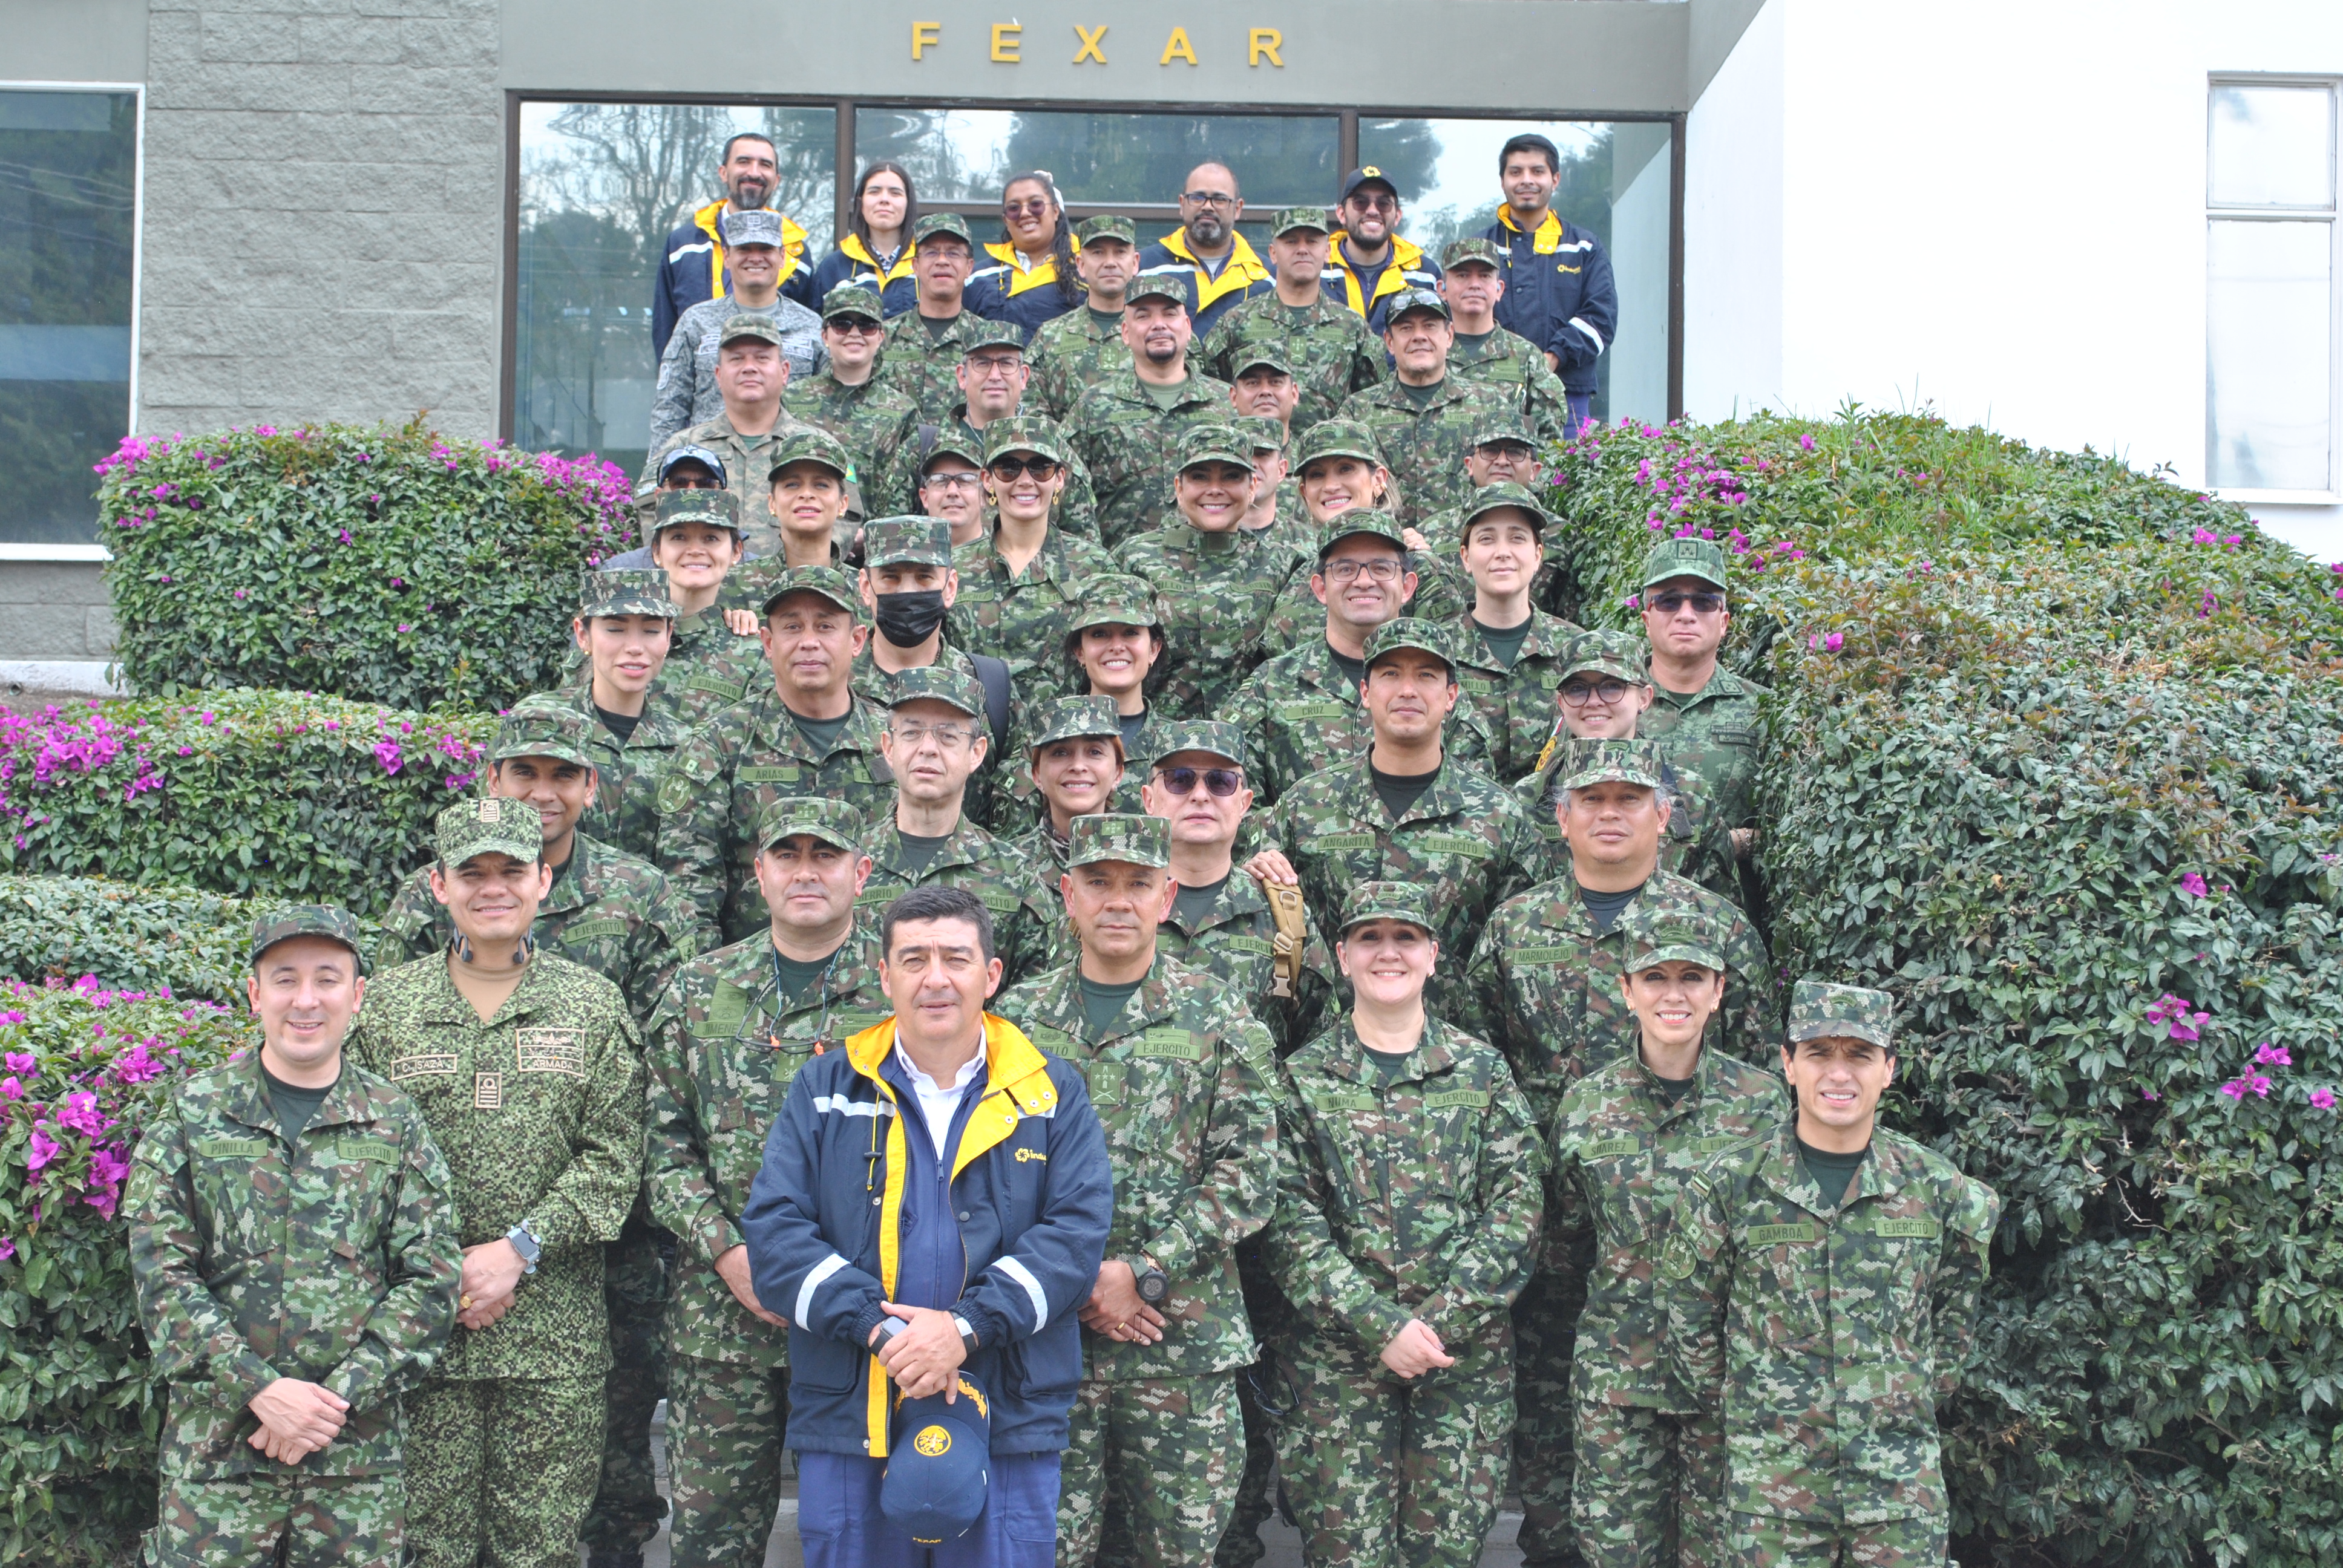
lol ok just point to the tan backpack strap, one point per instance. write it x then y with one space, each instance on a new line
1292 936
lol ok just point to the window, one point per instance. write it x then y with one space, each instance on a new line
2271 352
68 286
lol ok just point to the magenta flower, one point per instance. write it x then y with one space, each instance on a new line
386 752
2269 1055
19 1060
2149 1094
80 1114
1807 443
2192 884
11 1089
2174 1013
40 1148
2323 1098
134 1066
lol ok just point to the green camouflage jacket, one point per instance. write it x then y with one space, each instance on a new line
1621 1156
1464 841
624 812
1425 448
1213 592
1069 356
1133 446
747 459
1697 846
1715 732
1327 345
609 912
1299 712
1024 910
1016 803
734 766
1444 589
1417 1197
1509 363
708 667
871 421
723 1050
1824 1338
540 1112
1543 988
1021 618
1232 941
919 366
1187 1086
1517 706
1075 511
333 1260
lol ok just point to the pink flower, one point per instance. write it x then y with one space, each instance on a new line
2192 884
386 752
2149 1094
10 1089
2323 1098
2269 1055
1807 443
40 1148
80 1114
134 1066
19 1060
1833 643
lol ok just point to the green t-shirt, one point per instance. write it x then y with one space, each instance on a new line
1107 321
1356 668
1164 398
1299 315
796 976
821 734
1506 642
622 725
919 849
1193 904
1472 339
1390 1063
1421 396
937 329
1132 723
294 1104
1102 1004
1606 908
1400 792
1833 1173
1671 1089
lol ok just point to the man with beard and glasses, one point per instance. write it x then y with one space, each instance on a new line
1218 262
1367 261
693 267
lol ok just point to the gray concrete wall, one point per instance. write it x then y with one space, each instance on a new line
54 610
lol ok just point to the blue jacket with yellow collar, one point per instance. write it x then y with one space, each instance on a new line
852 1208
1006 288
1559 293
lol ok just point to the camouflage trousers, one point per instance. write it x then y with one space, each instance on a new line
725 1425
293 1520
1545 1328
1651 1488
1147 1480
501 1471
1389 1475
1763 1541
628 1507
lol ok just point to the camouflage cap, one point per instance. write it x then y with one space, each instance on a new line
1256 354
851 299
757 225
832 822
966 446
1337 439
1410 301
1372 520
1106 226
1684 558
1409 631
624 591
1124 836
1111 600
1668 942
948 223
907 540
1586 763
699 455
1031 433
542 725
1503 422
1158 283
982 334
720 509
1820 1010
1214 443
763 328
1212 737
810 445
1471 251
1409 901
327 920
1615 653
828 582
1495 497
939 683
1078 718
1261 432
490 825
1285 220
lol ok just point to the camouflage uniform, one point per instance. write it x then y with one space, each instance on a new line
1186 1086
540 1112
871 421
1506 360
1328 348
624 812
1075 511
1024 910
1621 1152
919 366
748 466
1021 618
724 1047
1516 702
1825 1338
684 392
1411 1194
1693 846
708 667
1130 442
331 1258
1069 356
1424 447
1715 730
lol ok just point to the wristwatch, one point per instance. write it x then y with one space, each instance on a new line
967 1334
524 1242
1153 1283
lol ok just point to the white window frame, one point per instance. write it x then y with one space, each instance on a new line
98 552
2332 216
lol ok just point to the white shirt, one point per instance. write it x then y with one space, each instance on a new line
938 1103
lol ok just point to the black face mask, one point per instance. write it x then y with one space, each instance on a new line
909 619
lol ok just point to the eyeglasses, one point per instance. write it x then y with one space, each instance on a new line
1008 469
1669 603
951 481
1376 203
1381 570
1516 450
1208 199
1610 693
1223 782
950 736
1033 204
689 482
990 365
854 325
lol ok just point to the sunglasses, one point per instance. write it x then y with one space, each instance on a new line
1669 603
1008 469
853 325
1035 203
1375 203
1223 782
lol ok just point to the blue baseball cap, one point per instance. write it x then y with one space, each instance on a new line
938 1464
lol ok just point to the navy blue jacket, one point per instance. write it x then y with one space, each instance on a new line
691 269
844 1213
1024 298
852 262
1559 294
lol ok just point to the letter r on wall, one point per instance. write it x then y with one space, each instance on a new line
1262 41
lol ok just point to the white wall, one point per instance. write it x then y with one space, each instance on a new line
1639 259
1995 207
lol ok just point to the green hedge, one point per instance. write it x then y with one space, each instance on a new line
161 940
2055 752
381 565
250 793
80 1409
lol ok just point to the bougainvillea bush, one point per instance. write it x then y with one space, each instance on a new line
378 564
243 793
129 937
2055 753
82 1069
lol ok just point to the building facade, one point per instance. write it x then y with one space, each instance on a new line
2102 222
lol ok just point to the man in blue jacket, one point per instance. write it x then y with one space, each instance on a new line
692 267
933 1207
1558 289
